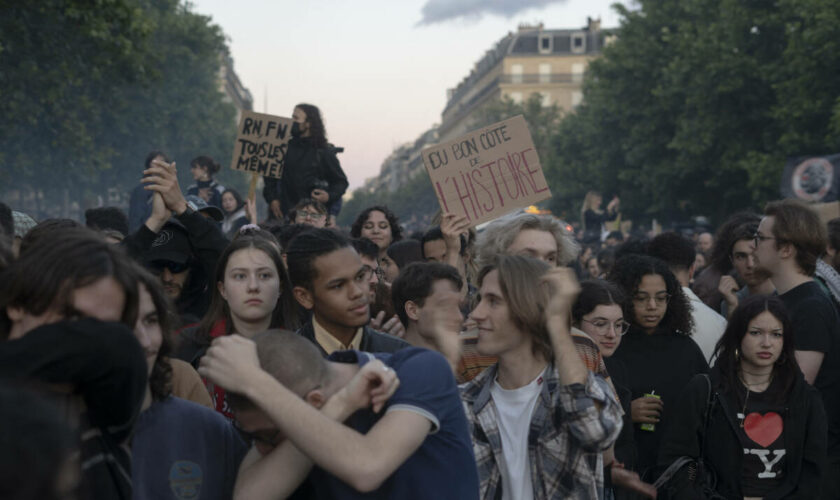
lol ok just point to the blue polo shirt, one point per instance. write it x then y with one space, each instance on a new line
444 465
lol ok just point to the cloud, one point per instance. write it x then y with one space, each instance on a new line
436 11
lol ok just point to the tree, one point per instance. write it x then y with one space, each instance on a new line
94 88
697 104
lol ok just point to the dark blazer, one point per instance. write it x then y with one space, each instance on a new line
372 341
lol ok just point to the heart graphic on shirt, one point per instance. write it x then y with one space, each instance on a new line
763 429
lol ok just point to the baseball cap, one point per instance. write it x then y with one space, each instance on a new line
171 245
201 206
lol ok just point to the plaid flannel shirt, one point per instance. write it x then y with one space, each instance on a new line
566 437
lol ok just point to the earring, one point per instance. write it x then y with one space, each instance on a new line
737 355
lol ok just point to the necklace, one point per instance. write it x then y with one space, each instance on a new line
747 397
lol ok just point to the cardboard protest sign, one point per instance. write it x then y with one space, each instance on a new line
487 173
261 144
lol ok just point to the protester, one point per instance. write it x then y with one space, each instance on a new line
788 243
706 283
613 239
379 225
658 353
234 210
111 222
766 428
418 447
383 318
44 231
310 212
598 313
705 242
606 261
593 270
399 255
827 267
59 307
140 201
756 280
210 212
522 450
311 169
426 296
332 283
39 452
592 218
540 236
449 244
203 168
177 243
179 447
678 253
252 293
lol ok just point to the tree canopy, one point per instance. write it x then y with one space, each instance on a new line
90 88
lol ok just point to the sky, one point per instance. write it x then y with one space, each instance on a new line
377 69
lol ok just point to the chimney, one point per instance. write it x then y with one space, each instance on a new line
593 24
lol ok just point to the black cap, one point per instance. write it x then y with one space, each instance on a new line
172 244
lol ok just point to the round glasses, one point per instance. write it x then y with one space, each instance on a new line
602 326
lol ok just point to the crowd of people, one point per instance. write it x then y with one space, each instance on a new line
191 349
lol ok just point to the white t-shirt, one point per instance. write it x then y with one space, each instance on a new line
515 408
708 325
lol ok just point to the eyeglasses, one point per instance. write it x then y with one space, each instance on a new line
602 326
369 272
660 298
158 266
303 214
758 238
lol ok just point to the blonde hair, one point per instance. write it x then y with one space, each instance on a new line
589 204
499 235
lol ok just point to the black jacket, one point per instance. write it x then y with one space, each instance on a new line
207 243
805 438
304 164
372 341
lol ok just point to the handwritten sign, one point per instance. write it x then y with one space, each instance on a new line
261 144
487 173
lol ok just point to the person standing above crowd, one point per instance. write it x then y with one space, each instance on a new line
657 351
766 428
593 218
203 168
522 448
789 240
234 210
679 254
379 225
311 169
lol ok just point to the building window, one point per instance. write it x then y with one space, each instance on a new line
578 43
545 73
516 73
516 97
577 72
546 44
546 99
577 98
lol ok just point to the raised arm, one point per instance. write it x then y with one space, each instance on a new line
362 461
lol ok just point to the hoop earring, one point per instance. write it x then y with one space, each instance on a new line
737 355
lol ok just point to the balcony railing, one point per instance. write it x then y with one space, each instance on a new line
542 78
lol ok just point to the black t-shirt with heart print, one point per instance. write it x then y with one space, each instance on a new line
762 434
